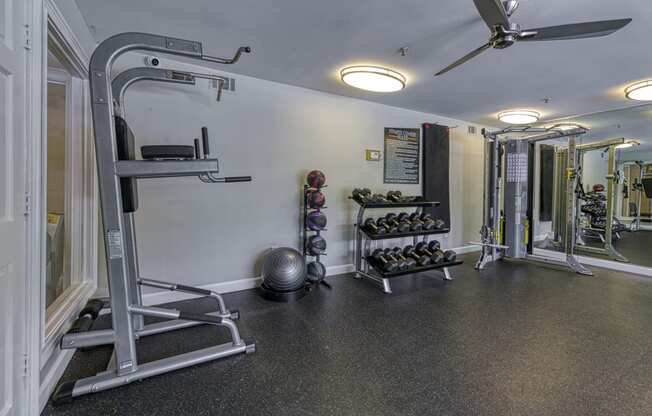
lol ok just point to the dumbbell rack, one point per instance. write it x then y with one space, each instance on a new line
366 266
305 231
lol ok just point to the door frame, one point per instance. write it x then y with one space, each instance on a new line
46 361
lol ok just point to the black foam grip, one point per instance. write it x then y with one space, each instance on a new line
204 138
237 179
196 317
197 149
194 290
92 308
82 324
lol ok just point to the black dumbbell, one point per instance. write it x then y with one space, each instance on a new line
370 224
401 226
400 261
431 250
389 228
415 222
428 222
403 216
361 194
439 224
378 198
385 263
408 251
450 256
409 261
395 196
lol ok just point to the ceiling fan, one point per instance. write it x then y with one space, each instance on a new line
504 34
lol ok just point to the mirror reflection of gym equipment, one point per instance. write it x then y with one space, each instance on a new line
597 226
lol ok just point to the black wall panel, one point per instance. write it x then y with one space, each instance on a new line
436 155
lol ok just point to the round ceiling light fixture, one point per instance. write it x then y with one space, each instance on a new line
373 78
641 91
519 116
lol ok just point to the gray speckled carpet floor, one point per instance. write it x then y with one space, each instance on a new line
515 339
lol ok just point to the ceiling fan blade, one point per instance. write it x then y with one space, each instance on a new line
465 58
575 31
492 12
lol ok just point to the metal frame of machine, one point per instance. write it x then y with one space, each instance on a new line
511 238
127 311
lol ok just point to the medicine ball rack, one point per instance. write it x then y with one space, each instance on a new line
365 265
307 190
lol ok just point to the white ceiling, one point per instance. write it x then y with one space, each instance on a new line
305 43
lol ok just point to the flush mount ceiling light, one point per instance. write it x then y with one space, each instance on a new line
641 91
519 117
373 78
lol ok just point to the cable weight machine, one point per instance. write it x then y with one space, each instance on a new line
508 188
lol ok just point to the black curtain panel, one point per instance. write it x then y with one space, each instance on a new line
547 169
436 154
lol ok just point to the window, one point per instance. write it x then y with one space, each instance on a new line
67 213
57 269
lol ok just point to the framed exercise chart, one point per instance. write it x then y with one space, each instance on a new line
401 163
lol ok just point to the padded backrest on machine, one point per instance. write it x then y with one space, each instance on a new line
126 151
167 152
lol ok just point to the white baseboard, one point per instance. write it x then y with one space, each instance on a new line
157 298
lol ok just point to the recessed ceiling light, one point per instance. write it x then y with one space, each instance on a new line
373 78
519 116
641 91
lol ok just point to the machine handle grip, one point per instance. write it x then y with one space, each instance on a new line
204 137
197 149
237 179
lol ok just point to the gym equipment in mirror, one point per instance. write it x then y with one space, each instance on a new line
612 197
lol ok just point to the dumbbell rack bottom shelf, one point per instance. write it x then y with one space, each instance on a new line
388 275
373 236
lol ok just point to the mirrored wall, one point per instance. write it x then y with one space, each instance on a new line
613 196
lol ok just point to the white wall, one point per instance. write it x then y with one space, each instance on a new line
594 169
201 234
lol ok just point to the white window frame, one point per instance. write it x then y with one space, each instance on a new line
81 220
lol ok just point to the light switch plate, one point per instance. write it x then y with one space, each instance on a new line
372 155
